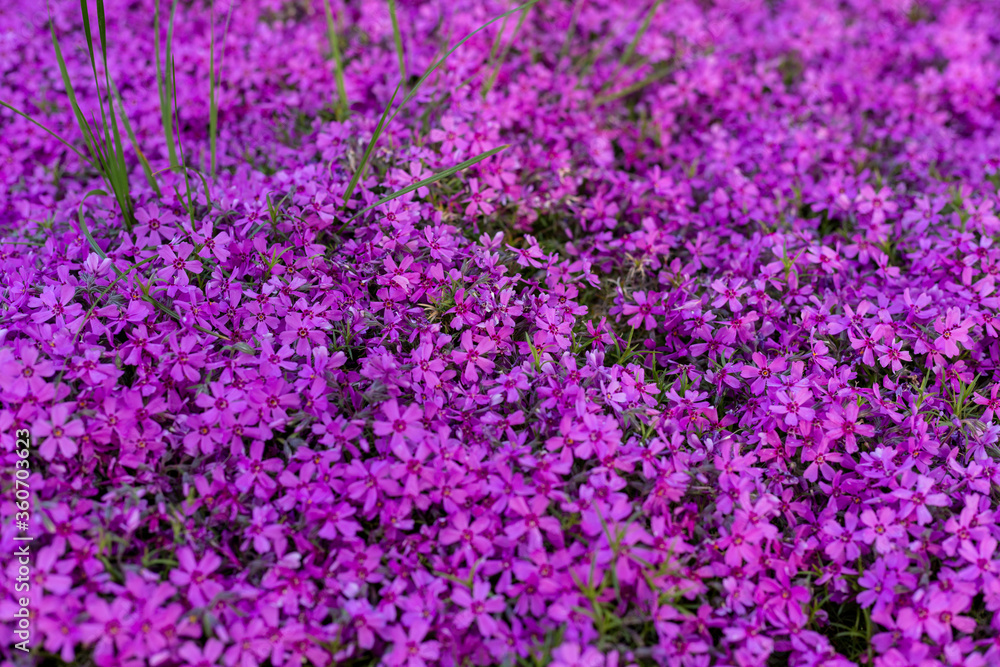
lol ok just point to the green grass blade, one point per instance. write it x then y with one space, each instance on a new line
86 230
574 19
433 179
630 49
135 143
398 38
383 121
495 49
213 107
368 150
180 146
488 85
164 83
639 33
81 120
438 63
635 87
117 149
213 102
342 107
53 134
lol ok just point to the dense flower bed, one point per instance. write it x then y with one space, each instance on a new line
700 368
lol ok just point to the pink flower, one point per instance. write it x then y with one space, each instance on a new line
876 203
58 433
953 330
881 528
570 654
194 575
411 649
479 199
794 407
399 426
762 371
55 302
477 607
842 422
642 312
178 261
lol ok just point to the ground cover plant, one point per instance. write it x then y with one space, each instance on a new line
472 333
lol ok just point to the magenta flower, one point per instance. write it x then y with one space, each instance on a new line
479 199
59 433
843 545
643 311
478 607
762 372
467 534
411 649
980 559
222 404
920 498
198 657
195 576
532 521
794 407
879 584
842 422
876 203
783 599
992 403
881 529
952 331
107 626
399 426
56 303
570 654
177 263
250 645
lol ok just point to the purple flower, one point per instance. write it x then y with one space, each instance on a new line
411 648
477 607
881 529
195 576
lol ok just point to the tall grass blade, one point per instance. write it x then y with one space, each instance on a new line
213 80
180 146
150 178
635 87
433 179
164 81
342 107
630 49
639 33
383 121
112 134
574 19
398 39
488 85
106 154
438 63
60 139
81 120
368 149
